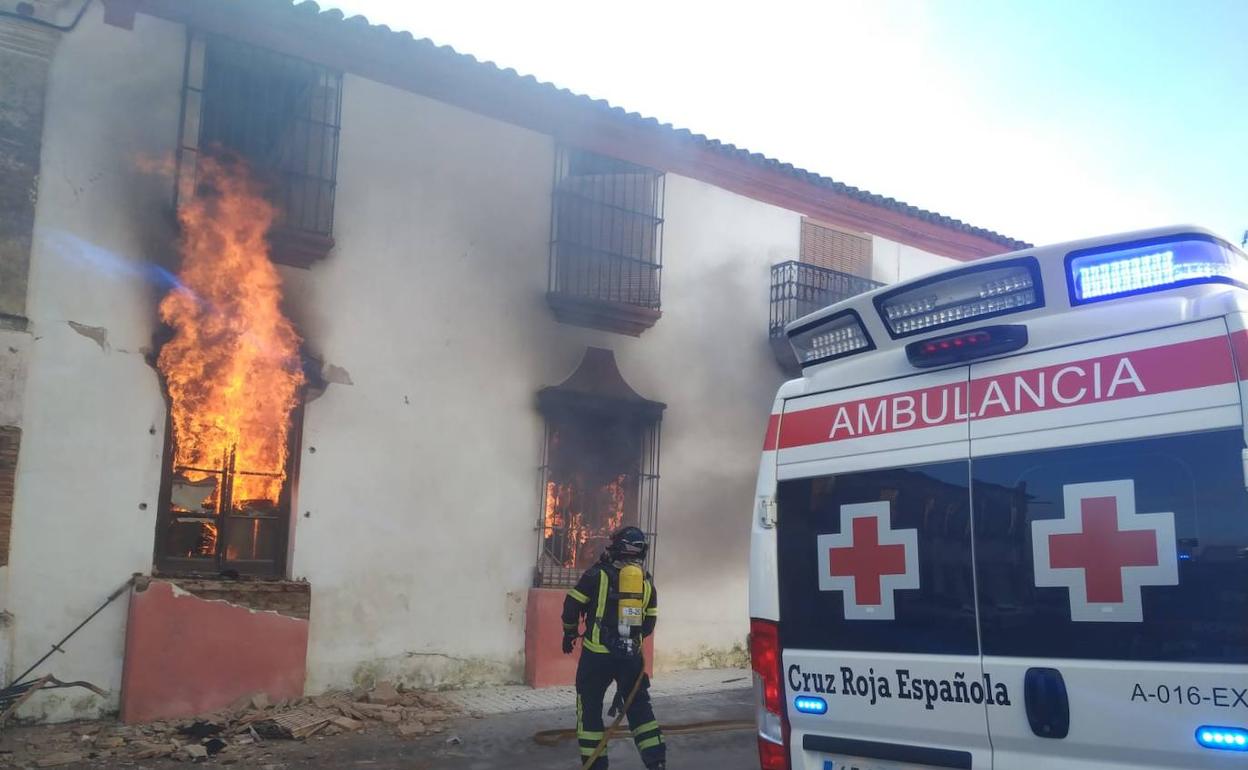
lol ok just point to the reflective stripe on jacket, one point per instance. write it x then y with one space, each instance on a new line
592 598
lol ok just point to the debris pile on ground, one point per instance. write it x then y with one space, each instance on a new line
231 735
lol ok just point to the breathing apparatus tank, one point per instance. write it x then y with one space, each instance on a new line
631 593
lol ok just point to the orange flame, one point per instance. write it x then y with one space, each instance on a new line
208 541
614 493
577 524
232 367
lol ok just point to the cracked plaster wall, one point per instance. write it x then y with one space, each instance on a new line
25 51
92 416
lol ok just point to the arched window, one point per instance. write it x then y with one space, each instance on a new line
600 471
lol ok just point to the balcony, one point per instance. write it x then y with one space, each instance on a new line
606 243
798 289
601 290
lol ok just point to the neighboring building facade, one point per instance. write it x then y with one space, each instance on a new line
526 318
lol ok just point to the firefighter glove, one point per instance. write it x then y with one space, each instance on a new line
568 641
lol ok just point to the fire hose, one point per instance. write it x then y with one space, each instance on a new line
619 717
555 737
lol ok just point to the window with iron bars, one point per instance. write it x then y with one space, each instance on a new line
606 253
205 526
283 115
599 474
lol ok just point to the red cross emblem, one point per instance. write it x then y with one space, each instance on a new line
1103 552
868 561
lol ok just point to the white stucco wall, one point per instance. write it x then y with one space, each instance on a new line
93 422
417 491
423 486
14 350
893 261
708 358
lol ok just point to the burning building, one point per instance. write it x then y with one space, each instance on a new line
364 399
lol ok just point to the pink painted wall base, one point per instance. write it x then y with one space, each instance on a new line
545 665
186 655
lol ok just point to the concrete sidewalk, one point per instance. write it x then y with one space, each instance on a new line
510 698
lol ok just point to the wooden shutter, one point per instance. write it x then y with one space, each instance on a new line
836 249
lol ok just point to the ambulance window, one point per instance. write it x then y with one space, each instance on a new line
1198 478
925 517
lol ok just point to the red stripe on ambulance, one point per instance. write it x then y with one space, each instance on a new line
1163 369
1239 345
772 439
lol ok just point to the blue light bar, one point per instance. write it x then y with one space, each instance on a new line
809 704
1120 270
1224 738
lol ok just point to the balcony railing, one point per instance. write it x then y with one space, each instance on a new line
798 289
606 251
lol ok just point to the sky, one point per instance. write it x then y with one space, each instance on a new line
1045 121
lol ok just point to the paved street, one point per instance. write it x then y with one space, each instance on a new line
496 731
499 741
505 741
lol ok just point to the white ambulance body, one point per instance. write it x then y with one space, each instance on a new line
1002 518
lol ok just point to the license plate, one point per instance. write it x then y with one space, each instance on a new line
849 763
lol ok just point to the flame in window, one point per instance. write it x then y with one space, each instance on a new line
232 368
579 521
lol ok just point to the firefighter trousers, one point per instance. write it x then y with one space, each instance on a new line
594 674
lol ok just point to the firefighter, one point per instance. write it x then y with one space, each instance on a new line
617 598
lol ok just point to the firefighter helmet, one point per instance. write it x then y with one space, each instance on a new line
629 544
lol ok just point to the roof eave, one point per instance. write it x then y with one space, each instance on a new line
399 60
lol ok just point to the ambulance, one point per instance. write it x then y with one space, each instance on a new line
1002 518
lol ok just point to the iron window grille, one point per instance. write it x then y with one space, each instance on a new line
799 289
281 113
606 230
203 528
574 512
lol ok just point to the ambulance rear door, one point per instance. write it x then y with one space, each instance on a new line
880 662
1111 551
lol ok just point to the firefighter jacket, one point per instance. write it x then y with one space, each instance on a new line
594 597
